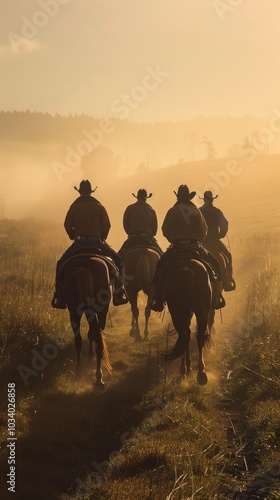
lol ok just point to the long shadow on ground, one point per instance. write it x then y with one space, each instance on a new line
72 431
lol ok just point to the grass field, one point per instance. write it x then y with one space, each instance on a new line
144 436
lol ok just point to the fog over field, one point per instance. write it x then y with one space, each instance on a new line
139 95
154 87
247 189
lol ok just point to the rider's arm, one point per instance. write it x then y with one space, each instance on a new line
126 218
167 225
104 223
154 224
223 226
203 229
69 224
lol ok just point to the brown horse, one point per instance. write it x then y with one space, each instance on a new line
139 268
187 291
87 291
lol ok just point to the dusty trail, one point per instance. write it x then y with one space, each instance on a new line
73 430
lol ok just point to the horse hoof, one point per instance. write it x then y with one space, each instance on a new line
138 338
132 333
147 338
202 378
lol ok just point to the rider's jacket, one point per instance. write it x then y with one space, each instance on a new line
184 221
87 217
216 222
140 218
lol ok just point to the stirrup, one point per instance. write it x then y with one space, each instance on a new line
218 302
231 285
120 297
156 305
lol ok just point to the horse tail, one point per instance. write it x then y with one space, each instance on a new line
145 273
180 303
208 338
87 295
104 352
177 350
85 284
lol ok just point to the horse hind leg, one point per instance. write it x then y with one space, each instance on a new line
99 384
147 317
202 330
99 349
211 319
135 330
185 366
75 320
91 317
94 335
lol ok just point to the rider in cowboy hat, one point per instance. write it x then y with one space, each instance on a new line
140 223
217 229
88 224
184 227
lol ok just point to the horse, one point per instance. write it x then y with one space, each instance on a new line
139 265
187 291
86 288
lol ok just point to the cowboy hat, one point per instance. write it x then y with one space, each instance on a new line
208 196
142 194
184 193
85 188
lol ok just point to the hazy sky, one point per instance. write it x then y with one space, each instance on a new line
138 59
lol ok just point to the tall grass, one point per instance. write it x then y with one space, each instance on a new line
180 450
255 368
27 265
253 374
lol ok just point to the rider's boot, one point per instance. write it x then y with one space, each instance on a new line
218 301
230 284
119 293
58 301
157 302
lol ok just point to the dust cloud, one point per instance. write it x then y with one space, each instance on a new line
247 187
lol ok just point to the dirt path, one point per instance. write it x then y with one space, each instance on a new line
73 429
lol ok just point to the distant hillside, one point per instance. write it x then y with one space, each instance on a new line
153 144
250 198
34 147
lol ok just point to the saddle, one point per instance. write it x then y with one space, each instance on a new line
226 269
149 247
180 253
94 252
139 241
184 256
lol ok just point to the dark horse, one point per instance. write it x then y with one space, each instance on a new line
139 267
187 291
87 291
